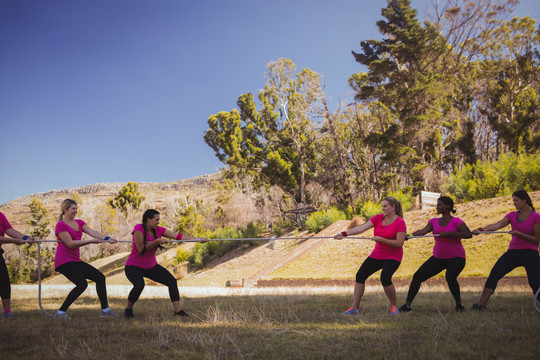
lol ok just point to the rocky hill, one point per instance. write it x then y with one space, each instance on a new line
160 196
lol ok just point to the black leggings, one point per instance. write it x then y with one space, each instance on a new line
510 260
77 272
5 285
158 274
432 267
371 265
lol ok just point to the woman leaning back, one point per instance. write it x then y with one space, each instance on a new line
522 250
17 238
389 236
142 263
67 260
448 252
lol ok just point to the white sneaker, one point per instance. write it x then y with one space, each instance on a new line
61 315
107 313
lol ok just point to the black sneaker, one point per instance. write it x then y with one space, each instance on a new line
405 308
460 308
129 313
181 313
478 307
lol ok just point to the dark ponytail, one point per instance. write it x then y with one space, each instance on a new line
448 201
523 195
148 214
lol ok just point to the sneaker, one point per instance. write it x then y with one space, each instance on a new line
393 310
129 313
107 313
478 307
9 315
181 313
61 315
405 308
351 311
460 308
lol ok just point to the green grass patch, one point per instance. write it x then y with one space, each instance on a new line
278 326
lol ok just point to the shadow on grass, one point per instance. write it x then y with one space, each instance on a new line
279 326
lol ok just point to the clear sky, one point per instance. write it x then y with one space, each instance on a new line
121 90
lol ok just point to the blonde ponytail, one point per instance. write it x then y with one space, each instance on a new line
66 204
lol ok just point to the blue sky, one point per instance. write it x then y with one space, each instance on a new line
121 90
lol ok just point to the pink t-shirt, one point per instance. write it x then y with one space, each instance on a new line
63 253
4 225
383 251
148 259
450 247
526 227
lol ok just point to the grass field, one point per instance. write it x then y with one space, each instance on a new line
277 324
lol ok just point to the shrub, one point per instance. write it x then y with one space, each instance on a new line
502 177
201 253
181 255
281 226
320 220
369 209
405 197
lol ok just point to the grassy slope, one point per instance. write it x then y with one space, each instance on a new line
341 259
334 260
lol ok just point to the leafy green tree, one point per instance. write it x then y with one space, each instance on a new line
190 216
405 76
26 266
511 97
39 220
277 142
128 196
107 219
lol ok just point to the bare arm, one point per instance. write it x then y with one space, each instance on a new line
534 238
16 235
355 230
138 237
426 230
72 244
5 240
463 232
96 234
172 235
397 242
492 227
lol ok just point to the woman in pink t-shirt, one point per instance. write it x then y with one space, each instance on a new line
522 250
448 252
5 285
389 235
67 260
147 238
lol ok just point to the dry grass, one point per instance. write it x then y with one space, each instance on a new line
341 259
272 324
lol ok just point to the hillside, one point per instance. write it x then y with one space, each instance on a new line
331 259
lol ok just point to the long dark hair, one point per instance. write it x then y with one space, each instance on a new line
148 214
523 195
448 201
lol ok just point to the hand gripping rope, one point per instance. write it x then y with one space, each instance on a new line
270 245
